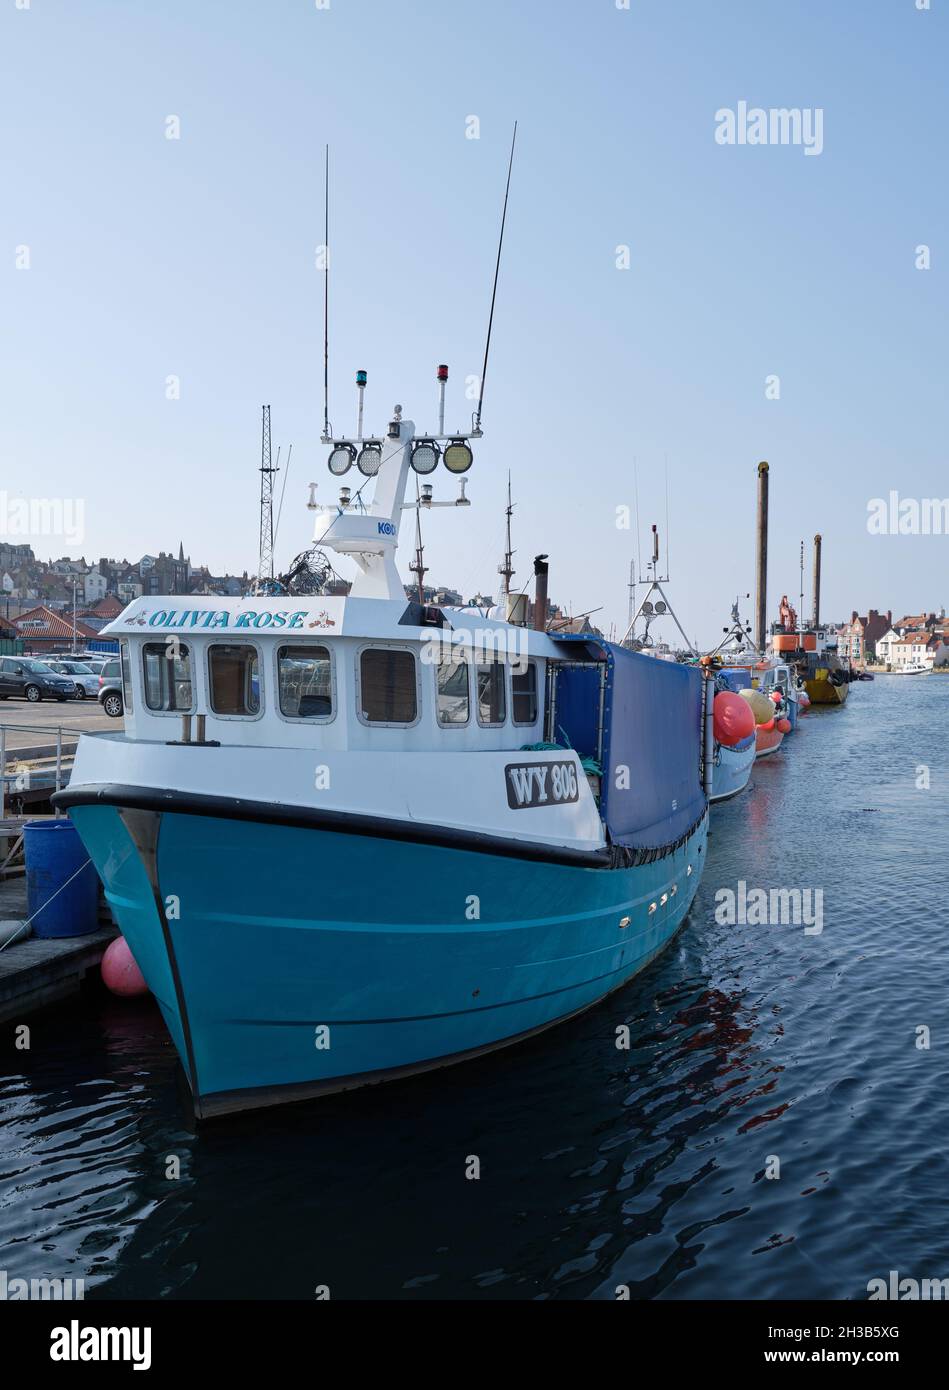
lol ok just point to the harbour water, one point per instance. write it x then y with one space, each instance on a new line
599 1166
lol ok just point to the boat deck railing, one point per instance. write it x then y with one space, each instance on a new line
42 763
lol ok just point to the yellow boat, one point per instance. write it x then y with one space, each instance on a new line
813 653
823 690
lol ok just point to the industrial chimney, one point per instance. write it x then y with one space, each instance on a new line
761 580
815 621
540 593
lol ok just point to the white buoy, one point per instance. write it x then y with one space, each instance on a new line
13 928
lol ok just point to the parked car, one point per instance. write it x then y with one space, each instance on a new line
25 678
86 680
110 689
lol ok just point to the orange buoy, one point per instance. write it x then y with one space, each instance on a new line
784 725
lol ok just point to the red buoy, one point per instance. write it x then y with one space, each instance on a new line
120 971
732 718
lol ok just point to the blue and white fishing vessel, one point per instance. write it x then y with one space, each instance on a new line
351 838
732 766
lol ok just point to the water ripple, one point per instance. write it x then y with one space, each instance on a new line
755 1050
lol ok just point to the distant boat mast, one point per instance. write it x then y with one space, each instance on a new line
650 609
506 570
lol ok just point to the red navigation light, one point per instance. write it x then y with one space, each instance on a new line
442 372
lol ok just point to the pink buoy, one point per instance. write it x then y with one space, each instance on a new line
120 971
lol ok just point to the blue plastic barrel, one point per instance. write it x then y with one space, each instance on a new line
62 894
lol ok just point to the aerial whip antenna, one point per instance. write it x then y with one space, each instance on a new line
494 291
286 474
326 298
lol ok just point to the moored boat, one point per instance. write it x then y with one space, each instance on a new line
812 651
732 768
767 741
348 839
911 668
766 683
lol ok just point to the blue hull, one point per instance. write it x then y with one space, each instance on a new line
288 961
732 768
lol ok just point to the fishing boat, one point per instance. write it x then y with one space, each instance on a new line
732 768
813 654
768 705
767 683
351 838
813 650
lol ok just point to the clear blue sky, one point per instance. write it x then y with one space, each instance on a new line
195 258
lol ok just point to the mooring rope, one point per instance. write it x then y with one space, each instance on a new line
26 923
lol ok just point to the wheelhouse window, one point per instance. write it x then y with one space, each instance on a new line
305 682
524 694
166 668
491 694
126 663
388 691
234 679
451 691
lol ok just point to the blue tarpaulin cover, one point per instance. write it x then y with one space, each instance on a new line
734 678
652 740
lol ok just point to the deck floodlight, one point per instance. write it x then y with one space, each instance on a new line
425 455
370 458
458 457
341 459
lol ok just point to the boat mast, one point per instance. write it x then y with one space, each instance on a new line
265 575
418 567
506 570
650 610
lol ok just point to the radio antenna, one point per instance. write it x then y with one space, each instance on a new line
326 297
497 267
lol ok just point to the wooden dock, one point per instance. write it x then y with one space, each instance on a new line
39 971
